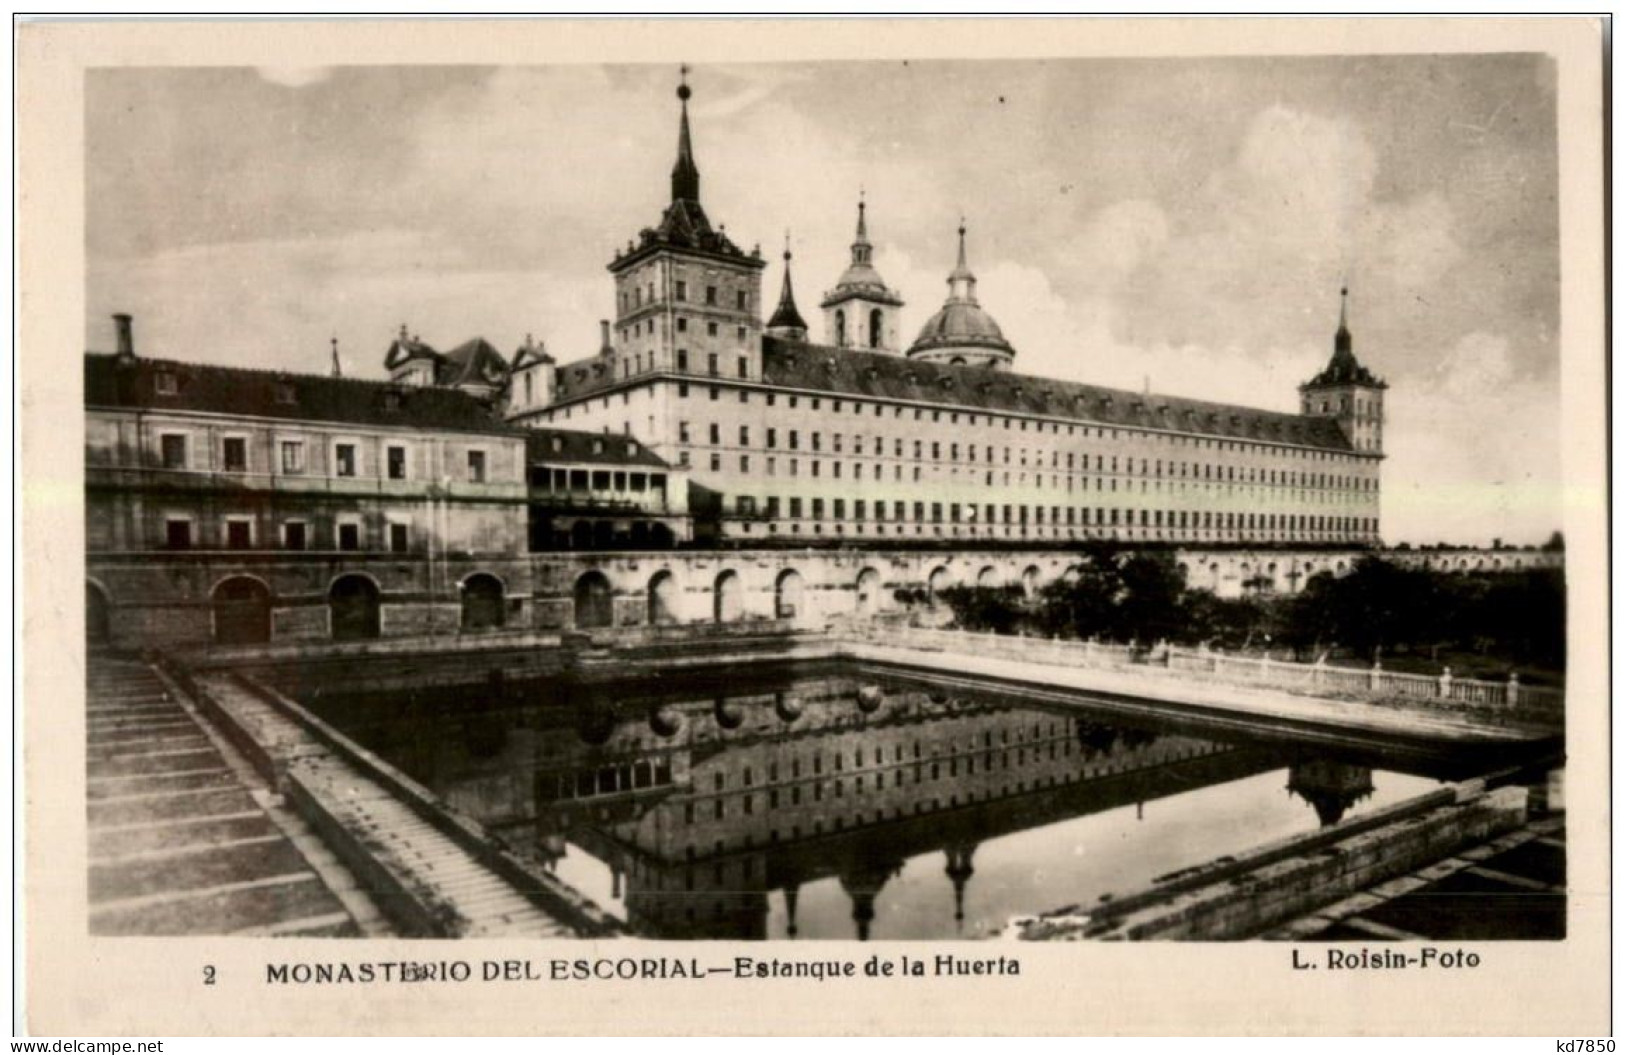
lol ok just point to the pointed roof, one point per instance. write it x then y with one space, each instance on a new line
684 224
860 279
1344 368
405 348
685 175
474 362
786 317
529 354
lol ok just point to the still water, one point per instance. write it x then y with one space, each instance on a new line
817 804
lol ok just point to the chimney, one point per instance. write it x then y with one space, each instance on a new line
604 347
126 338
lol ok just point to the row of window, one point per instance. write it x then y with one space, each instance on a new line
973 420
876 755
181 533
175 453
1055 516
1074 462
636 297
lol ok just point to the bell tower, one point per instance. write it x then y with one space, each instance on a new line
687 299
862 311
1347 391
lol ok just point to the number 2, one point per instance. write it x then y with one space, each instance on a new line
208 974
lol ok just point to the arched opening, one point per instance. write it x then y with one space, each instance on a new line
594 601
787 595
242 611
935 583
661 537
581 535
958 360
98 627
1029 581
482 603
662 598
840 329
876 328
640 534
603 535
868 591
988 577
353 608
728 602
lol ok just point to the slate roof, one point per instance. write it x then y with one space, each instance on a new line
473 362
553 446
131 384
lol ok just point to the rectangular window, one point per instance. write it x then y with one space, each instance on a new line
682 361
344 459
293 535
744 435
818 508
795 507
476 467
397 538
744 367
178 534
173 450
772 437
234 454
739 299
293 456
396 459
239 534
716 433
349 537
710 294
682 290
711 364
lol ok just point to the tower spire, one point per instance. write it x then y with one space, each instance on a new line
962 281
787 321
685 175
337 372
1345 341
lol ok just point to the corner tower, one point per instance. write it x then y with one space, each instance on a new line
686 297
1347 391
862 311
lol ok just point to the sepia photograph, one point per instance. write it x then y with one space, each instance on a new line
1026 503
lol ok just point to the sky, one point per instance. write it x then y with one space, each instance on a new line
1179 223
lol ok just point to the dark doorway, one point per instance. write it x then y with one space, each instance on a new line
594 602
242 612
482 603
353 606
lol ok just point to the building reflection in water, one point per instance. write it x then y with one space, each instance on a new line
702 804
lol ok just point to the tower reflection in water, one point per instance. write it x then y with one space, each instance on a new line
826 805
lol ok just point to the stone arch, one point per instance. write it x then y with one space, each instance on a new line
354 609
789 595
661 537
240 608
727 597
662 598
483 602
939 579
868 586
1029 580
988 576
594 601
98 623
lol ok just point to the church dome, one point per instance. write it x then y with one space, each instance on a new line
962 333
959 323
